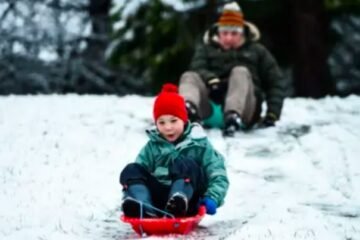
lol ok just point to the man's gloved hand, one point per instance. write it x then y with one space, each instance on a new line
214 84
216 91
210 205
268 121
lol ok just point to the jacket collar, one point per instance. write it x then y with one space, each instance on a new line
192 132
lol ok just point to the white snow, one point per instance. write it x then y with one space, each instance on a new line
60 158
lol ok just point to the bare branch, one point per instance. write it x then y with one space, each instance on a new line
68 7
10 7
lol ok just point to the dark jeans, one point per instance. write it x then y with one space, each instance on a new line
182 168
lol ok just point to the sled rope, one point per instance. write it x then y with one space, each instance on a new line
141 204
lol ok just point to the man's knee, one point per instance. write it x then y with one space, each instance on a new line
240 70
190 77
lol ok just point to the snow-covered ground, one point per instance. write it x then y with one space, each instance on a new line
60 158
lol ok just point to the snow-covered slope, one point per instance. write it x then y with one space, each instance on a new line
60 158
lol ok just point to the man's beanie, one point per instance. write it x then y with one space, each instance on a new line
232 18
169 102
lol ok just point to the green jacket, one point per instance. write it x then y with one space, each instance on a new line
211 61
158 153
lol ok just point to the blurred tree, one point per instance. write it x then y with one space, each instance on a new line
156 41
49 46
59 45
309 29
101 27
335 4
344 58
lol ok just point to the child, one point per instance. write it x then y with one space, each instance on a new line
177 169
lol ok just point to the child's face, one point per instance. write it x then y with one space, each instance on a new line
170 127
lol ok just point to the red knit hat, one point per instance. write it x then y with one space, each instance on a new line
231 18
170 102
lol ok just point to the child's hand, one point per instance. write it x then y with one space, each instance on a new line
210 205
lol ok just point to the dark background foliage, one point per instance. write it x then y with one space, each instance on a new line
89 46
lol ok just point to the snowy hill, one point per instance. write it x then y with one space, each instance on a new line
61 156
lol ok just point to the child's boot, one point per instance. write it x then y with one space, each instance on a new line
137 202
179 197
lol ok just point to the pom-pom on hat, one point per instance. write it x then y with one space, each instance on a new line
169 102
232 18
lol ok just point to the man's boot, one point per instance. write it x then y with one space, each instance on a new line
192 112
232 124
137 202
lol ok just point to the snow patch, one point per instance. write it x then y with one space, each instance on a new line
61 157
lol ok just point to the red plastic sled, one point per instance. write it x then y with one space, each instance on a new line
162 226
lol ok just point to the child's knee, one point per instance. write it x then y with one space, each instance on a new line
133 167
184 167
185 162
132 171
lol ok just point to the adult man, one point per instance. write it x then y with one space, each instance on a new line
232 69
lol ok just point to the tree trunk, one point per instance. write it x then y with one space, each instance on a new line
211 12
101 27
309 24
